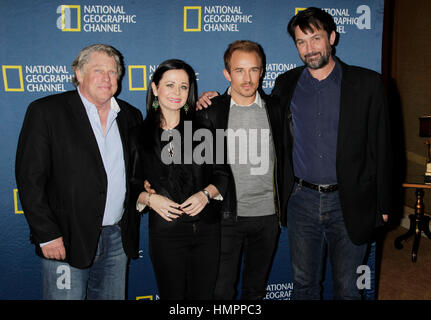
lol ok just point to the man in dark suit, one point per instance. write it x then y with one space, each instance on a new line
337 163
250 220
72 167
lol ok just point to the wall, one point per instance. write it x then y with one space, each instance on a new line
409 62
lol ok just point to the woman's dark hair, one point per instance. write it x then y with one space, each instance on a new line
309 19
173 64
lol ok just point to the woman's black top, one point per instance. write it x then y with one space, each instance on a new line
179 179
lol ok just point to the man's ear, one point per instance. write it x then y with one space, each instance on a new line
79 75
332 38
227 75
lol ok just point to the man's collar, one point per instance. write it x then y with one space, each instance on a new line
335 74
257 100
88 105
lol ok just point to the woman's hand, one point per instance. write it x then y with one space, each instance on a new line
195 204
166 208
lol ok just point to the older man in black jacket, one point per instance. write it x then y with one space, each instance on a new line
71 171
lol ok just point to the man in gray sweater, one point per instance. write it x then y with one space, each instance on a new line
250 220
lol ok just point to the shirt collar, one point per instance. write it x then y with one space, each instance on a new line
258 100
334 76
89 106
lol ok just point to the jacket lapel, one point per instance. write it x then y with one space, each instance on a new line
123 128
349 89
224 115
80 116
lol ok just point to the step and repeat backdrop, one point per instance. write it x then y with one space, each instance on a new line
40 39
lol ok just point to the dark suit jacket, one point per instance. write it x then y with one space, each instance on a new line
217 117
363 148
61 178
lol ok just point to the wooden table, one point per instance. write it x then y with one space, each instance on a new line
418 221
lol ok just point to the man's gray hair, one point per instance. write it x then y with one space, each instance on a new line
84 57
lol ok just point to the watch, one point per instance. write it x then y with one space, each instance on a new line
207 195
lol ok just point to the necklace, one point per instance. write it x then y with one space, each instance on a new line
171 150
171 146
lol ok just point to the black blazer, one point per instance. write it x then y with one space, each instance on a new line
363 156
217 117
61 178
174 181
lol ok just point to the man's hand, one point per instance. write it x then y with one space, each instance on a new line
147 187
205 99
54 250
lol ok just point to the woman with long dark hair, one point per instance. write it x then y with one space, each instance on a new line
184 220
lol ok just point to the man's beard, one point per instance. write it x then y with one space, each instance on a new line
317 62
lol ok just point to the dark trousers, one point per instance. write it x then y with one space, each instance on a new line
316 228
185 258
255 238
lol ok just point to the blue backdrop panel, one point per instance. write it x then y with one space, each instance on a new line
39 41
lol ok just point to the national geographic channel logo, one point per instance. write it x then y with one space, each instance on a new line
344 17
219 18
273 70
279 291
93 18
52 78
35 78
139 76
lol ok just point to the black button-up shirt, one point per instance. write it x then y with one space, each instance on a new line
315 110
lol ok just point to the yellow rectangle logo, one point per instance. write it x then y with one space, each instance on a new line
66 18
197 27
15 202
144 75
299 9
5 78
